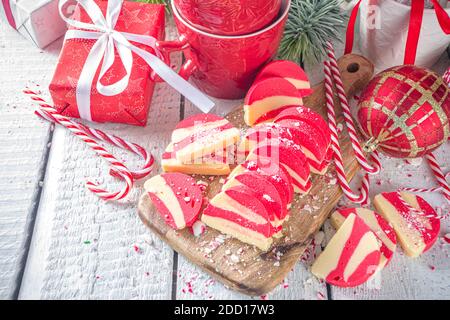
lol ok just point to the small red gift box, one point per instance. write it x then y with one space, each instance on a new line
130 106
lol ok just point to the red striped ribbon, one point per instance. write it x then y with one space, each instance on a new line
415 24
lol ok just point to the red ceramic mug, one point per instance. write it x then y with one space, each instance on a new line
229 17
225 66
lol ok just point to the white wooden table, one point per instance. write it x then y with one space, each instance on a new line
59 241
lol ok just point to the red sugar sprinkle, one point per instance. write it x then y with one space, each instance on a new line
320 296
136 249
432 268
189 287
263 297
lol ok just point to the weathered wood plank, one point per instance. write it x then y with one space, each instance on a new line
85 248
23 140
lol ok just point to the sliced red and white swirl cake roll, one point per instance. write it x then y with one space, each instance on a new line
414 220
310 139
307 115
277 175
289 156
177 197
238 213
289 71
351 257
304 114
376 223
267 98
264 190
313 143
202 135
197 123
202 166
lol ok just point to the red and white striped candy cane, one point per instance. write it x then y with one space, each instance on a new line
439 175
446 77
51 114
364 163
426 190
85 133
363 197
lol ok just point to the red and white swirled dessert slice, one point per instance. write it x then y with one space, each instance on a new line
267 98
287 155
307 115
277 174
414 220
197 123
302 134
177 197
351 257
289 71
313 143
202 166
302 113
200 136
264 190
238 213
376 223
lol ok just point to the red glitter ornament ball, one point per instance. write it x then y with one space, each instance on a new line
404 112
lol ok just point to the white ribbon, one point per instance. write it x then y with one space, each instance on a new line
109 40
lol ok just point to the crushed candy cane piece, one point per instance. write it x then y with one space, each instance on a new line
198 228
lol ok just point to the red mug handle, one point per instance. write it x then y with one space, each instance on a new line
180 44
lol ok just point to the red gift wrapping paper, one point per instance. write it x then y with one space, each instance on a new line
132 105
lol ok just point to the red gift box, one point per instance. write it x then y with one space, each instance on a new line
130 106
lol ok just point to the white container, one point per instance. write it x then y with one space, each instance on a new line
384 30
36 20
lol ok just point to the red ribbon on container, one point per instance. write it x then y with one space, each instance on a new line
415 24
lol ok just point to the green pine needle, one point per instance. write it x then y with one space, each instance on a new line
310 25
165 2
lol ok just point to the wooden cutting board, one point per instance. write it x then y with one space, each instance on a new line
243 267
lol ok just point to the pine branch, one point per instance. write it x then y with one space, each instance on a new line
165 2
310 25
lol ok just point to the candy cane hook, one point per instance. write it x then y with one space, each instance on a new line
364 163
47 112
337 154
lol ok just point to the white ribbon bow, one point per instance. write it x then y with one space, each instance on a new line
108 39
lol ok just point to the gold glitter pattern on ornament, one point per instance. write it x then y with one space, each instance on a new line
414 96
